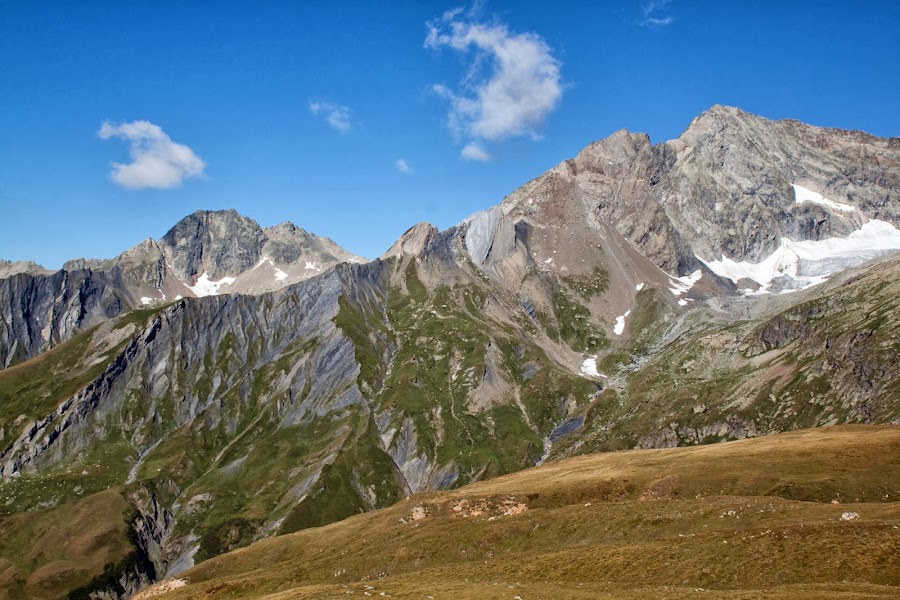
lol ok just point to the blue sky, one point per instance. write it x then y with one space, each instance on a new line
301 111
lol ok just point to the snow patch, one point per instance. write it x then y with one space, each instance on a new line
639 287
802 264
279 274
146 300
682 285
205 287
619 329
549 260
801 195
589 367
682 303
311 264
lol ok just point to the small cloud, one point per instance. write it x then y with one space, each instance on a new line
512 81
157 161
655 13
337 116
651 22
475 152
403 166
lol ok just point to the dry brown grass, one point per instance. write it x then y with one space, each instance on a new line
44 554
747 519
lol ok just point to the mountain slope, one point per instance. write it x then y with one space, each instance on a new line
801 515
545 327
241 416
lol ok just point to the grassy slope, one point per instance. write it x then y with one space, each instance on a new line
44 554
745 519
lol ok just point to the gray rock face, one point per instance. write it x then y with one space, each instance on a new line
218 243
288 244
40 311
225 243
722 188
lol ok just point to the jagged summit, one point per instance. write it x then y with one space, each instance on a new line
10 268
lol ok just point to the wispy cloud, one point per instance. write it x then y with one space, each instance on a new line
476 152
403 166
157 161
512 81
656 13
337 116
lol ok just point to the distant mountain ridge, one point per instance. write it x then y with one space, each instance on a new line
206 253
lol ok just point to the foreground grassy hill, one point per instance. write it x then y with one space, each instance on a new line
807 514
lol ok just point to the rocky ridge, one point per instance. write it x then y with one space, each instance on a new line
206 253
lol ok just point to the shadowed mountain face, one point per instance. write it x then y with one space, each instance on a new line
593 309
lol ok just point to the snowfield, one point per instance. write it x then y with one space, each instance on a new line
796 265
682 285
619 328
806 263
589 367
205 287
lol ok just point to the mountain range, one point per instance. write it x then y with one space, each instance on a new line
229 383
204 254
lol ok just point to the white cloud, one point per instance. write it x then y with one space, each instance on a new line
403 166
336 115
513 80
157 161
655 13
474 151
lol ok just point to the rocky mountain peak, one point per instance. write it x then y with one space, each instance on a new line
218 243
285 228
414 241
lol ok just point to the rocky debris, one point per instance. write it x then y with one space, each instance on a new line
490 507
849 516
661 489
465 508
419 512
161 588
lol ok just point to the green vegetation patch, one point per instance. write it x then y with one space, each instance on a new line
588 286
362 477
